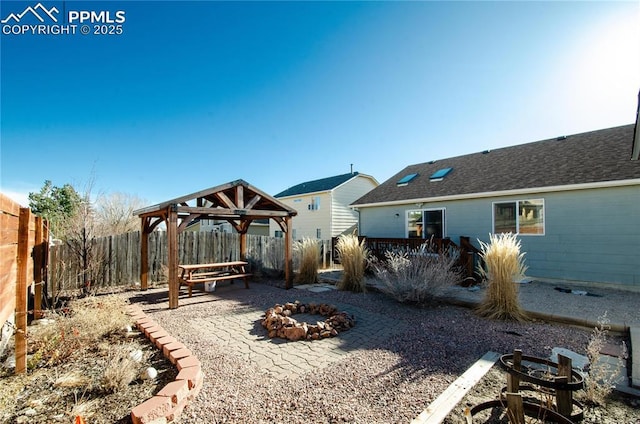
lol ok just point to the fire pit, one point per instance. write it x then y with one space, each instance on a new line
279 322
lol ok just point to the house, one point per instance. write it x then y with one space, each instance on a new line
323 205
258 227
573 200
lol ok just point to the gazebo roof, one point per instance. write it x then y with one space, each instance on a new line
234 200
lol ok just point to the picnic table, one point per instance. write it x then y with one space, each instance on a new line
213 272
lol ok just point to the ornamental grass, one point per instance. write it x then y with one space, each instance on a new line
504 266
353 256
309 254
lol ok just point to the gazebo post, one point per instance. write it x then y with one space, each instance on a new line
288 248
144 254
243 245
172 247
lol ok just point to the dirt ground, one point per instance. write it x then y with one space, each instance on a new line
619 409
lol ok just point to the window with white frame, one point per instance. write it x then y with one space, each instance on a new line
279 234
519 216
315 203
426 223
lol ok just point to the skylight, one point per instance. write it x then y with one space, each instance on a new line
440 174
405 180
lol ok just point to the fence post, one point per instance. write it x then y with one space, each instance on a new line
21 290
38 265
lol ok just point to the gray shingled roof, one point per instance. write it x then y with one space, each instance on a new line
591 157
315 186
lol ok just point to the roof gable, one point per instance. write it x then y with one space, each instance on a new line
323 184
226 201
592 157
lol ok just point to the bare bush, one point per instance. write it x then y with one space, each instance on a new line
505 265
76 327
418 277
602 377
308 253
353 256
120 371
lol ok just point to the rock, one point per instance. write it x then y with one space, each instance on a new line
296 333
10 362
149 374
29 412
136 355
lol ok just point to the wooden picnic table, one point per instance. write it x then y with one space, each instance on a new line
217 271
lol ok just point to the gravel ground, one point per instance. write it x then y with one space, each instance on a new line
388 383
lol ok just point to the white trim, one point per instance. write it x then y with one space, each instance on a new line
424 227
293 196
526 191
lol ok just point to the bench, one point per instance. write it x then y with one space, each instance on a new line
201 273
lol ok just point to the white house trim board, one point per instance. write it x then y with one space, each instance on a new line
526 191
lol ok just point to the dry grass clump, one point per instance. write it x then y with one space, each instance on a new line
416 278
309 256
505 265
353 256
79 326
602 377
120 371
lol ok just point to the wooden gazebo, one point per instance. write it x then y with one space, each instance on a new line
236 202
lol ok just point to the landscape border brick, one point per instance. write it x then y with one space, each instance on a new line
167 405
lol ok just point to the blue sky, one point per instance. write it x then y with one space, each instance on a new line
196 94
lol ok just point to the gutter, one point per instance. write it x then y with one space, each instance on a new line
533 190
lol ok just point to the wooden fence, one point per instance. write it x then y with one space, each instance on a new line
23 264
116 259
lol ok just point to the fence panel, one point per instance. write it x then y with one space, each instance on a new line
117 258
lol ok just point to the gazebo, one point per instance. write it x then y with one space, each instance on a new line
237 202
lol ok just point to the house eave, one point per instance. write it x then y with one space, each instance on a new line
518 192
310 193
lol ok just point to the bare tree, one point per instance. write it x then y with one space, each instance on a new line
114 213
81 230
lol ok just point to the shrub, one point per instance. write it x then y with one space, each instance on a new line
81 325
353 256
602 376
505 265
309 256
120 371
416 278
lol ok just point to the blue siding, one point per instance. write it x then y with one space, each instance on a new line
590 235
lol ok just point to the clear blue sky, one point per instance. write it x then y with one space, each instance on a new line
196 94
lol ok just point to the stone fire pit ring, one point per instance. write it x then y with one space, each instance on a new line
279 321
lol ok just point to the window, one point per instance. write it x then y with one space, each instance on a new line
405 180
318 233
426 223
279 234
440 174
520 216
315 203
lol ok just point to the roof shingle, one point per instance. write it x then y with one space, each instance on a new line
590 157
314 186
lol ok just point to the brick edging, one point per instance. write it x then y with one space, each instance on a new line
169 402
